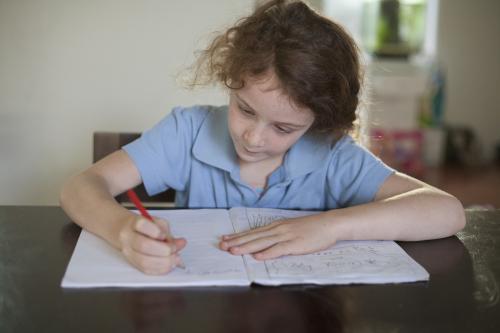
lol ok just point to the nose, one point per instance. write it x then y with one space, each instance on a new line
254 136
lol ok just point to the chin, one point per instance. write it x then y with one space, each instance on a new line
246 157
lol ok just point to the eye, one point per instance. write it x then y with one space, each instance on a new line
245 111
282 130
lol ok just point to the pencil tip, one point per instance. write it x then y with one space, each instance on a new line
181 265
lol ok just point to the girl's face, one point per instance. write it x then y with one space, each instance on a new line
263 122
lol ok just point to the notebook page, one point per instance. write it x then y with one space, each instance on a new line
96 264
346 262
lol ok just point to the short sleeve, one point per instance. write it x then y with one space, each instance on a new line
163 153
355 174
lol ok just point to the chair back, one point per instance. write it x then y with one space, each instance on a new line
105 143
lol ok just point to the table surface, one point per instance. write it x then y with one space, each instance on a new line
36 244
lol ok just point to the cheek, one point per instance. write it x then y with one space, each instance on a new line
230 118
284 143
280 144
234 123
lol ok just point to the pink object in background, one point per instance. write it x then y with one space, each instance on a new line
400 149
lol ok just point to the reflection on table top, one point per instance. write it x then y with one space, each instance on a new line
462 294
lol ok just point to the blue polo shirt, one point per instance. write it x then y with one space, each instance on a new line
191 151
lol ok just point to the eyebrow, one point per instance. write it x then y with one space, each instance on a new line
297 126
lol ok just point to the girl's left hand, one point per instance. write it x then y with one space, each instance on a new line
292 236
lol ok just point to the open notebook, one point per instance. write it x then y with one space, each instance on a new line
95 263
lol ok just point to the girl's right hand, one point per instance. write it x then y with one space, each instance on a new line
149 246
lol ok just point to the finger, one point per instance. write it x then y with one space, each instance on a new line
257 245
150 264
152 247
276 251
148 228
163 224
180 243
245 238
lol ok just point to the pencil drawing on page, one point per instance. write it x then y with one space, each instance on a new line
259 220
362 259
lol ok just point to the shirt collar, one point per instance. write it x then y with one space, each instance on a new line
214 146
307 155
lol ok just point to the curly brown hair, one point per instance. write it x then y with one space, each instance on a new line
315 60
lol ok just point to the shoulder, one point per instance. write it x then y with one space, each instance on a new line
316 152
346 149
349 160
354 173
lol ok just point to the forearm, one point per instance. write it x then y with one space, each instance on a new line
88 202
420 214
404 210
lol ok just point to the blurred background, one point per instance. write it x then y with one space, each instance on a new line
431 106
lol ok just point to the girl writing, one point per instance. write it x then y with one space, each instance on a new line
293 80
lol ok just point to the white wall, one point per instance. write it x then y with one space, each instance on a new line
71 67
469 49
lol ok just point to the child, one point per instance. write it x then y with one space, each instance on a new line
293 79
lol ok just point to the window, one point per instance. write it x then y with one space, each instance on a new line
353 15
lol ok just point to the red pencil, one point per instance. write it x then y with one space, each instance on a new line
137 203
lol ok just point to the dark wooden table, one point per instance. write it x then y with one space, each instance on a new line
461 296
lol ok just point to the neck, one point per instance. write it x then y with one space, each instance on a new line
256 173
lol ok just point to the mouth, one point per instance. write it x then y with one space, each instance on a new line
250 151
